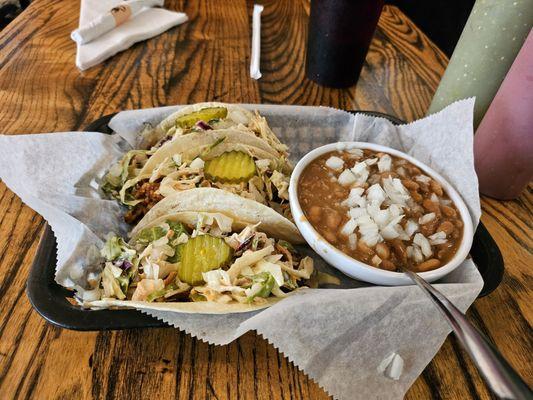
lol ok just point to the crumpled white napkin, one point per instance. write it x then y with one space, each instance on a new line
147 23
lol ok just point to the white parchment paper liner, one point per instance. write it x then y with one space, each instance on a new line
351 329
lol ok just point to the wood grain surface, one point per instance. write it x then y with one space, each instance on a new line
207 59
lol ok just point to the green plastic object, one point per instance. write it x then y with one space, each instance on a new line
491 39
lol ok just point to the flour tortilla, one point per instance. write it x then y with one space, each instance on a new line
192 144
190 307
210 200
236 115
190 218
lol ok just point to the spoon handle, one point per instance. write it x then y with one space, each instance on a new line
498 374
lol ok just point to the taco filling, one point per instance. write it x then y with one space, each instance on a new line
247 171
212 116
194 257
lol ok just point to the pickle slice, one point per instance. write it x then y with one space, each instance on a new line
201 254
205 114
230 167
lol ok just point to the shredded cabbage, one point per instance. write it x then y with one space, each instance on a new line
145 287
262 286
115 248
149 235
110 283
264 267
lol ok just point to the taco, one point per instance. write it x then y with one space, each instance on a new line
226 159
211 116
242 211
200 255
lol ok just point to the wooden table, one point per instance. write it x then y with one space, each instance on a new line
207 59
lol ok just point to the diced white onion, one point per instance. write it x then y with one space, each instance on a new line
389 232
356 153
348 227
197 163
371 161
395 190
340 146
335 163
346 178
376 260
381 217
411 227
395 369
369 230
424 219
423 178
401 171
438 235
395 210
357 212
385 163
417 254
360 170
371 240
352 241
391 366
402 235
438 238
421 241
375 193
355 199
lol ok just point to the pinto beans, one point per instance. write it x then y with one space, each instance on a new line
399 250
416 196
427 265
363 248
383 251
441 254
448 211
389 174
413 170
447 227
333 219
340 194
388 265
409 184
330 237
424 187
430 228
415 214
431 206
315 212
436 187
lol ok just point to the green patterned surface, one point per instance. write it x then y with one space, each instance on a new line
491 39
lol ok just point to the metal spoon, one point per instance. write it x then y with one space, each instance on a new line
496 371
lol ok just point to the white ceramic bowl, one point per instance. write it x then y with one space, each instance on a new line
357 269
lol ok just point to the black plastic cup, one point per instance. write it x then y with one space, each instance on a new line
339 35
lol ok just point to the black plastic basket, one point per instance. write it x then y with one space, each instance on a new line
51 300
